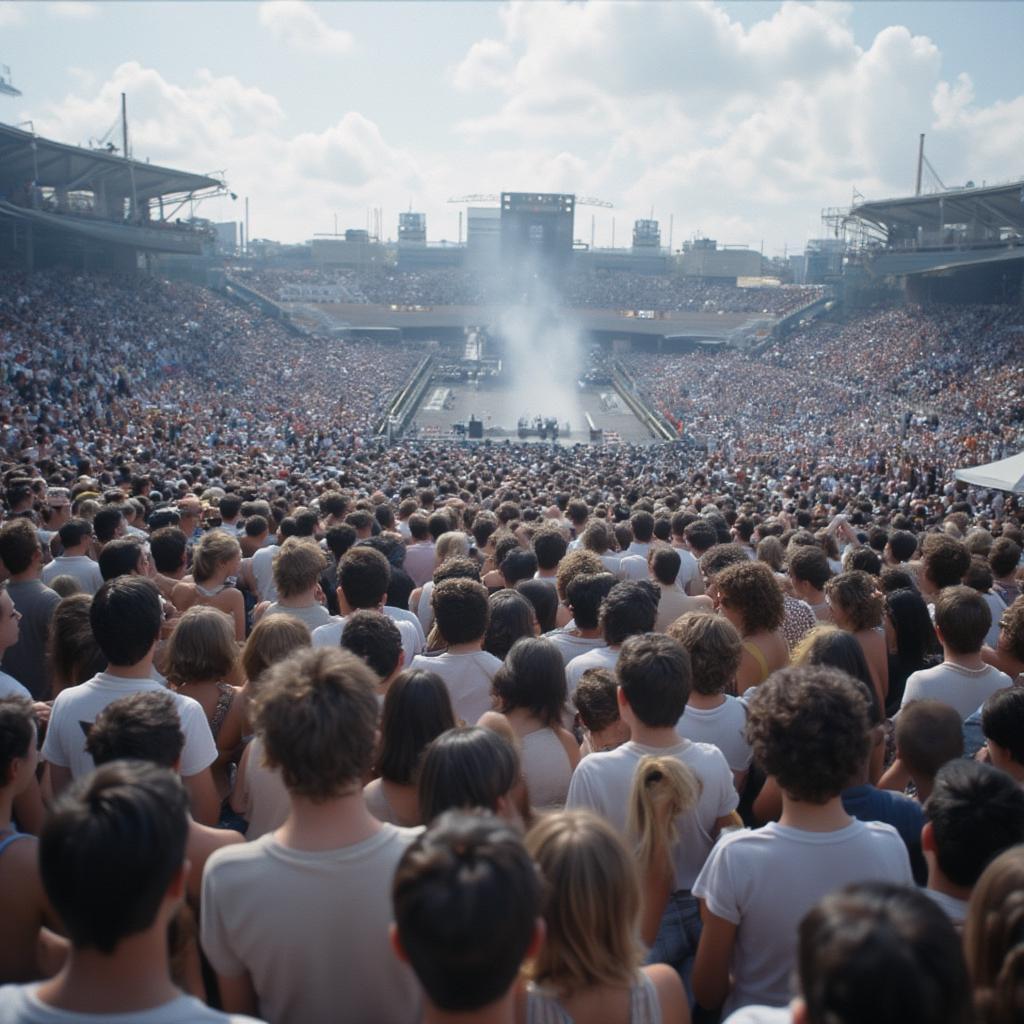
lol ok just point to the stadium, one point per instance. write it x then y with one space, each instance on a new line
361 593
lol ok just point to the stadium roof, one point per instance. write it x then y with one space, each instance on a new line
994 208
25 157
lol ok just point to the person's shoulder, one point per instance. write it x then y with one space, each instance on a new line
760 1015
703 757
188 1009
238 856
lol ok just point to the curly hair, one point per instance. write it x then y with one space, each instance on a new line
856 593
715 649
1011 636
751 590
945 559
576 563
808 727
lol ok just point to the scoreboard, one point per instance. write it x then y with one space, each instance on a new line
536 227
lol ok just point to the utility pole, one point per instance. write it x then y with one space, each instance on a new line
920 163
124 126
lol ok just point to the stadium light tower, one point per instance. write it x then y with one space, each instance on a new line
6 88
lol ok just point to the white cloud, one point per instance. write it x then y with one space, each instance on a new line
11 14
298 25
73 10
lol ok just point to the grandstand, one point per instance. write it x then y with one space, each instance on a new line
90 208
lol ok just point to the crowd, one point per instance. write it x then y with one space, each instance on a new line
298 727
594 289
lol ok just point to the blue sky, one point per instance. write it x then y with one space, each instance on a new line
738 120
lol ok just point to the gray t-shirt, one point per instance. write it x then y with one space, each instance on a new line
26 660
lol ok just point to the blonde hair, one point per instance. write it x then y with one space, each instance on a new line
451 544
213 550
592 906
297 566
202 646
272 639
663 788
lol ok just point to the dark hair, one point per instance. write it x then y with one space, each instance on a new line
642 525
963 617
895 577
928 734
903 545
256 525
544 600
881 953
17 733
518 565
753 591
1004 557
464 875
1002 721
945 559
808 726
809 565
721 556
701 535
105 522
979 575
626 611
835 648
915 635
417 709
585 594
866 560
549 546
655 676
74 531
595 699
109 850
461 610
363 575
467 767
167 546
139 727
120 557
375 638
19 544
339 539
510 617
665 563
532 677
455 568
125 616
976 812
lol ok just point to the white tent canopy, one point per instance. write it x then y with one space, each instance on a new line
1004 475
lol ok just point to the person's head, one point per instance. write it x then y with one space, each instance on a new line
929 734
655 678
750 597
596 699
72 651
167 547
75 535
772 553
1011 630
518 565
468 768
272 639
834 648
510 617
863 558
855 600
532 678
363 578
375 638
461 610
466 898
19 546
910 626
10 620
902 546
701 535
585 595
596 537
642 525
664 564
139 727
316 715
450 544
111 853
549 545
215 551
417 709
202 647
628 610
945 560
974 813
715 648
895 577
108 523
18 756
297 566
994 939
1004 557
962 619
591 906
1002 722
125 617
881 953
123 556
544 601
809 728
808 565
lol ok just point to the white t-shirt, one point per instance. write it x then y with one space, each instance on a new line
724 727
602 783
310 928
81 567
468 678
761 1015
76 708
571 646
20 1005
404 615
633 567
764 881
10 687
598 657
262 564
964 689
329 635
